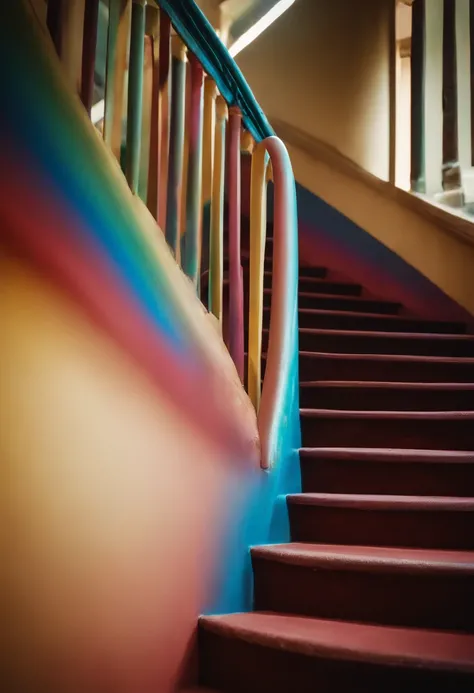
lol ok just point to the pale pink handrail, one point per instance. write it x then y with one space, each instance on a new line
283 340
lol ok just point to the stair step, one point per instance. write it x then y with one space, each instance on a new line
417 430
312 299
387 471
340 394
342 320
369 342
274 653
384 367
378 520
401 587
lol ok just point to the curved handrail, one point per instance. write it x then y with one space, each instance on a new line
200 37
283 335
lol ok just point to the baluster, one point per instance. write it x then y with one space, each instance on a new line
65 21
161 59
176 143
91 18
217 212
258 209
236 307
135 94
208 134
192 244
451 168
417 97
463 62
120 15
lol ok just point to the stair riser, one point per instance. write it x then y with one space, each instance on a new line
395 371
365 344
341 303
374 399
385 478
379 527
387 598
375 324
418 434
233 665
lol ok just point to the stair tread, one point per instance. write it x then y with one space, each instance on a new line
356 299
442 336
368 557
389 455
381 384
361 314
400 415
394 646
378 502
388 357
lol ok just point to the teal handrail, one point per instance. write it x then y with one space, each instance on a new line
200 37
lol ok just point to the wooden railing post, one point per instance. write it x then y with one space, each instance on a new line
135 94
191 261
117 49
176 147
217 212
161 57
417 97
236 303
91 18
451 168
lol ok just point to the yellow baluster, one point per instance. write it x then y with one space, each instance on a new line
258 220
217 212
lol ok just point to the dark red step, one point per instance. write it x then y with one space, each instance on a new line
342 320
382 471
370 520
320 300
357 342
273 653
401 587
374 367
387 396
417 430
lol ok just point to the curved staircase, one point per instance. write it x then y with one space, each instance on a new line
375 592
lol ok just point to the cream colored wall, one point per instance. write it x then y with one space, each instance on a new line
323 67
436 243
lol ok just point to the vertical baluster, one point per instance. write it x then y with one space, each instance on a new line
463 61
217 212
208 135
65 20
161 58
164 141
176 145
451 168
117 48
146 118
91 18
192 247
258 209
236 307
417 97
135 94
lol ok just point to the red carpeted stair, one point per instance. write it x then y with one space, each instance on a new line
376 591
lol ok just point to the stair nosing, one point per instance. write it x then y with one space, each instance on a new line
381 334
389 455
387 357
451 415
386 384
368 558
370 502
316 644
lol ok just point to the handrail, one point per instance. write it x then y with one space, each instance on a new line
283 333
200 37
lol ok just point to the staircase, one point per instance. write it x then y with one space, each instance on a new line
375 592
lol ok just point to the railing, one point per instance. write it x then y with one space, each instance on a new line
442 100
199 109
